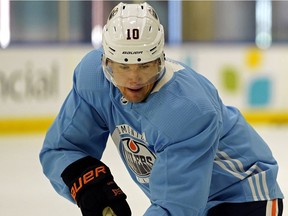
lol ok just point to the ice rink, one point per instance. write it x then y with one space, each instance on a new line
26 192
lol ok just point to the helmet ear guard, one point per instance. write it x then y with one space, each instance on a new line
107 70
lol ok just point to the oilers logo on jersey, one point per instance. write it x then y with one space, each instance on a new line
136 154
139 158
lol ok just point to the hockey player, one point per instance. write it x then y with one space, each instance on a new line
189 153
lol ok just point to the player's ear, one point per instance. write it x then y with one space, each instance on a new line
157 61
107 60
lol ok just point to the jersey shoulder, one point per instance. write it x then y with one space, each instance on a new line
185 105
182 85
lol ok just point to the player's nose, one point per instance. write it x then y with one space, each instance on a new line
134 74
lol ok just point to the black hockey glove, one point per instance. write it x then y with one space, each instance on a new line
92 187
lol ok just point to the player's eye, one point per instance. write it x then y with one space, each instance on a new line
124 67
143 66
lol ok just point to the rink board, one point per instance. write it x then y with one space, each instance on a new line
35 81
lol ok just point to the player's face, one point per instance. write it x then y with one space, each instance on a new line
135 81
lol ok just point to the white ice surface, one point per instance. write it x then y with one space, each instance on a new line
24 191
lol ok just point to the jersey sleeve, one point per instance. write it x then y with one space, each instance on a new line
77 131
180 178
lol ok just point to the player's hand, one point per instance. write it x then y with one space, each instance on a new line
94 189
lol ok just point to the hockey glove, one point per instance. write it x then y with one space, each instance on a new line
92 187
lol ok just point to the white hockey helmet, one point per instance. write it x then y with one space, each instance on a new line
133 34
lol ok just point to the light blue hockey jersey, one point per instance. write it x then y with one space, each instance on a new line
183 147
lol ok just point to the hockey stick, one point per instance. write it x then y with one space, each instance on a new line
108 212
